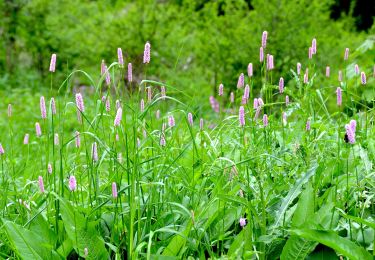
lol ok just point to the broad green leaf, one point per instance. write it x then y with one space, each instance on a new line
297 248
305 207
177 242
334 241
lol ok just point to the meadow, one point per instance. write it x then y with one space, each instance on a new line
127 169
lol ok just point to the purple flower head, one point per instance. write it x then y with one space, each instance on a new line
221 89
56 139
149 94
162 140
350 134
255 104
281 85
190 119
142 105
346 55
327 71
310 53
231 97
9 110
265 120
306 77
77 139
340 76
264 39
146 53
41 184
26 139
118 117
102 68
250 70
353 125
242 222
49 168
270 65
38 131
94 152
299 68
241 81
214 104
171 121
261 54
339 96
260 102
246 92
257 112
43 110
363 78
244 100
114 190
356 69
72 183
2 151
130 72
53 106
162 92
201 122
79 102
313 46
107 76
107 105
308 125
241 116
120 57
52 65
286 100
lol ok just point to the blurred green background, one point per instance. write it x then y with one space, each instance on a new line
195 44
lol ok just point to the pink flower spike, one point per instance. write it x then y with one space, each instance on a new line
130 72
53 106
241 116
56 139
162 140
190 119
79 102
162 92
270 65
26 139
350 134
2 151
313 46
260 102
346 55
43 110
353 125
147 53
261 54
246 93
142 105
356 69
38 131
149 94
41 184
52 65
107 76
241 81
281 85
201 122
231 97
171 121
114 190
77 139
363 78
120 57
102 68
340 76
72 183
306 77
310 53
94 152
107 105
250 70
327 71
221 89
299 68
255 103
49 168
265 120
308 125
339 96
264 39
256 116
286 100
242 222
118 117
9 110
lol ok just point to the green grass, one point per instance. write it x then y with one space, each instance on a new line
304 194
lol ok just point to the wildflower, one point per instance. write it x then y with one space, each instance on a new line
142 106
102 68
242 222
241 81
120 57
260 102
52 65
72 183
313 46
339 96
9 110
114 190
201 124
43 107
162 140
94 152
308 125
246 93
310 53
146 53
244 100
356 69
77 139
118 104
257 111
363 78
286 100
79 102
353 125
56 139
162 92
350 134
340 76
255 103
26 139
231 97
281 85
171 121
53 106
306 77
265 120
49 168
41 184
270 65
346 55
2 151
250 70
261 54
118 117
38 130
327 71
190 119
241 116
130 72
117 137
107 76
149 94
264 39
221 89
299 68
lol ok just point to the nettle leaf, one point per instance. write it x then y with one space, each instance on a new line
28 244
83 234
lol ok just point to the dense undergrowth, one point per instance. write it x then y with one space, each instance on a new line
124 170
